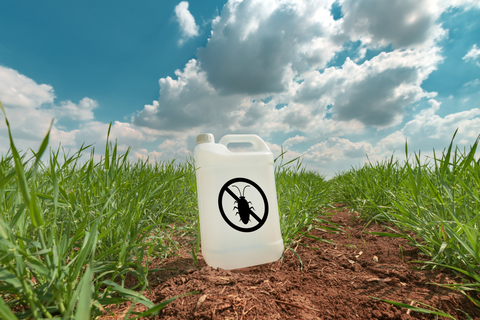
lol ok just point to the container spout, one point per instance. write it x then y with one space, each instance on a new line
205 138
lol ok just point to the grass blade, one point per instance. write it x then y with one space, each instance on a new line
163 304
85 299
417 309
5 311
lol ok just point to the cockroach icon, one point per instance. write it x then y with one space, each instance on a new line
243 206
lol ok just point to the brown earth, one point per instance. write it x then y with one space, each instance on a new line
337 282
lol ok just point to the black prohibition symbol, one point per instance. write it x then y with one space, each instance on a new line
242 204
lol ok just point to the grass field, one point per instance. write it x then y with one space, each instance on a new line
71 230
438 201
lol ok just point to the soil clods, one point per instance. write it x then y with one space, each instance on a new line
334 280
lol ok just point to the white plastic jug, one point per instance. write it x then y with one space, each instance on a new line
237 202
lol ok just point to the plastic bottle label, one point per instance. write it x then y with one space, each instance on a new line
243 205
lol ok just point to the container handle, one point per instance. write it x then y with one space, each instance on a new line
257 142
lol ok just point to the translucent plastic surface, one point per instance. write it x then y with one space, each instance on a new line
239 222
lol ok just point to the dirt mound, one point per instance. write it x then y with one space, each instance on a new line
334 281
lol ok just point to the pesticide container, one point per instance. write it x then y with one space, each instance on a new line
237 202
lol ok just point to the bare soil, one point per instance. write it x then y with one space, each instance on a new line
336 281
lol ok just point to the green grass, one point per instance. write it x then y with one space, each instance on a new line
68 221
302 196
435 204
72 229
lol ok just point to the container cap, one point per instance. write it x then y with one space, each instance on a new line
205 137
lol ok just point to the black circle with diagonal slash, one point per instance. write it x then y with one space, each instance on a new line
226 189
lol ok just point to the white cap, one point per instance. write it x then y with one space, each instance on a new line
205 137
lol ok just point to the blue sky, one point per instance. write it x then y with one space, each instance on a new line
329 80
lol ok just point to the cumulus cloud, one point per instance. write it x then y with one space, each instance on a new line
95 132
281 154
186 21
174 149
23 98
428 129
190 104
264 70
436 127
257 47
30 107
377 92
295 140
81 111
186 103
264 50
393 141
472 54
17 90
335 148
144 155
402 23
270 66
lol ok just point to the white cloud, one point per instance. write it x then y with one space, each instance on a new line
30 108
428 130
174 149
23 98
294 140
263 71
472 83
472 54
402 23
393 141
335 148
95 132
144 155
227 86
81 111
186 104
190 105
466 4
267 68
257 47
186 21
287 156
377 92
19 91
